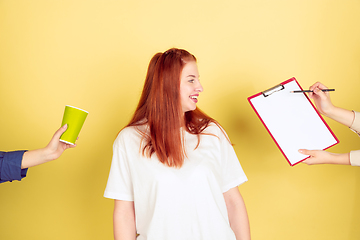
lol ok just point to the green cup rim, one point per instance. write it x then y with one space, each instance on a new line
77 108
66 142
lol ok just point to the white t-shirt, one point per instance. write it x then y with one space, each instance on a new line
173 203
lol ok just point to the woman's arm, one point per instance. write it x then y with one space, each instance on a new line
124 220
325 106
323 157
238 218
51 152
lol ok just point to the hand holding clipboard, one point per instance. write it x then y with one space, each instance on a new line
289 118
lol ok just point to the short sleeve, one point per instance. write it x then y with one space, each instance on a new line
119 185
355 155
356 123
355 158
10 166
232 172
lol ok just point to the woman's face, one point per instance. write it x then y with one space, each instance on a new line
190 86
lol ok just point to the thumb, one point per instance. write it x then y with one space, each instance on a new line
305 151
60 131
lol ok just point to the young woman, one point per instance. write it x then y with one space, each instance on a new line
174 174
349 118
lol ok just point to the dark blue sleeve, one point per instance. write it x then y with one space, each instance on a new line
10 166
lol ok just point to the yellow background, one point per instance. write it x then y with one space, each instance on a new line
94 54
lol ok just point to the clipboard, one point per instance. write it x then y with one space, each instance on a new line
292 120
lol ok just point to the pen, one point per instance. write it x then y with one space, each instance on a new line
302 91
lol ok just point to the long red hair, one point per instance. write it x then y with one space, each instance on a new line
160 109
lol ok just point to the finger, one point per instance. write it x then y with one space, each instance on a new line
312 88
307 161
311 95
60 131
315 85
71 146
320 93
67 146
321 86
318 85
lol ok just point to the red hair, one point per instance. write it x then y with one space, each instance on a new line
160 108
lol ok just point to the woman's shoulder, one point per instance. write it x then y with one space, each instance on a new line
133 130
214 127
130 133
217 130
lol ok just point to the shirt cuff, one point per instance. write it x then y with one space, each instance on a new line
11 166
355 158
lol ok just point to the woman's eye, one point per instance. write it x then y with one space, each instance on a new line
191 81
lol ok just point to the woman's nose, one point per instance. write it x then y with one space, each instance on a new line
199 88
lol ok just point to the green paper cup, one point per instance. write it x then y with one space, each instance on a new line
74 118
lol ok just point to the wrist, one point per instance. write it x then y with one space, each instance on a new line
331 111
48 154
341 158
341 115
44 154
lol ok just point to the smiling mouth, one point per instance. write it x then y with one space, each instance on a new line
194 98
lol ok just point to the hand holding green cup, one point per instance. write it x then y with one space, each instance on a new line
74 117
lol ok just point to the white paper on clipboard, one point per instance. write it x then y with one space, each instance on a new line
292 121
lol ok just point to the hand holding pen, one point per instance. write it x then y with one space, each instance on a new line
324 105
321 98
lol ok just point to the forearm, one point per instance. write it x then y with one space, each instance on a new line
123 230
338 158
35 157
341 115
124 220
239 222
238 218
